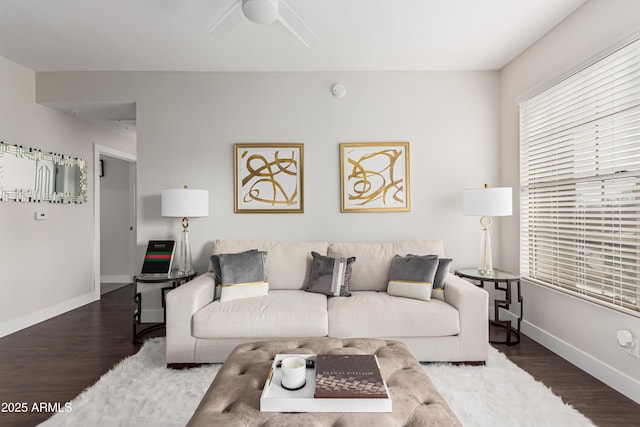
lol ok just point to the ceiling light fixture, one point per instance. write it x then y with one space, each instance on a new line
261 11
266 12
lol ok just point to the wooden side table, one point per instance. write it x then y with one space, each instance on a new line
498 277
174 279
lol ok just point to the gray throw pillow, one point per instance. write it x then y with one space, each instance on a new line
215 264
441 274
412 276
245 267
330 276
242 275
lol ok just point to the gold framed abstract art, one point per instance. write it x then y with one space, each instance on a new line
269 178
374 177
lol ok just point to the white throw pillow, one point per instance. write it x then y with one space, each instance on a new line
242 275
243 290
412 276
438 293
409 289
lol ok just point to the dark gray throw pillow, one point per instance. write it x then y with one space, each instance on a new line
215 264
241 275
244 267
330 276
412 276
441 274
414 268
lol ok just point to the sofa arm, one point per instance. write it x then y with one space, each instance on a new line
181 304
472 303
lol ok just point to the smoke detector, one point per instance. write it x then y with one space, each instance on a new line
338 90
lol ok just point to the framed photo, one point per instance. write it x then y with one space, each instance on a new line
374 177
269 178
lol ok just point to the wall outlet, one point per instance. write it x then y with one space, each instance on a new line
635 350
41 215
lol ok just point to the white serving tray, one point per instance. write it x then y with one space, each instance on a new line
275 398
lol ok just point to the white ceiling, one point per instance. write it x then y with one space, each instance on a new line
171 35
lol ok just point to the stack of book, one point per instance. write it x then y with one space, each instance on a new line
349 376
159 257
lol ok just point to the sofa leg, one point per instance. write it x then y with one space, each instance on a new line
183 365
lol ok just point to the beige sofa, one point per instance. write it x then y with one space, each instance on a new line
201 329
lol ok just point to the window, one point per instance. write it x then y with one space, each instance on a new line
580 182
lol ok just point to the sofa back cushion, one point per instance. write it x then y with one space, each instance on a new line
288 263
371 270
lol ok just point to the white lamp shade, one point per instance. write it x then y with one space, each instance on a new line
487 201
184 203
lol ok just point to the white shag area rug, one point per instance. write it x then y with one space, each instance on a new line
141 391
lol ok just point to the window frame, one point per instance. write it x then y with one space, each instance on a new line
564 178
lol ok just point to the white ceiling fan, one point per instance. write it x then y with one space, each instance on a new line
264 12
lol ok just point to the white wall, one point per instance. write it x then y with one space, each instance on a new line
47 266
188 123
580 331
116 260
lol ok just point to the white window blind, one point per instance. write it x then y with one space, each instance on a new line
580 182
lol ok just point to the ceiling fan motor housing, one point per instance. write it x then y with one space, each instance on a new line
260 11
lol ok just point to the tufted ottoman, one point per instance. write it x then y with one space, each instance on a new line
234 396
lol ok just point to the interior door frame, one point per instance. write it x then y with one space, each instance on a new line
99 150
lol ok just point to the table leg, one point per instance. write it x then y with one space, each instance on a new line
505 304
137 298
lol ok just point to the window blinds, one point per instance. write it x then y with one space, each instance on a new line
580 182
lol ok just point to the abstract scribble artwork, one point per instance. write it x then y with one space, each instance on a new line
375 176
269 178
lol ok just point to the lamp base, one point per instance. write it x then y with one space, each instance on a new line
185 266
486 264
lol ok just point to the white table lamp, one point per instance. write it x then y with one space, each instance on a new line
184 203
486 203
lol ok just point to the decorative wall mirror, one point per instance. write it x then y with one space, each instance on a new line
31 175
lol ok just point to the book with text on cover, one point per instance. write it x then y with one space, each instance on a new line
159 257
349 376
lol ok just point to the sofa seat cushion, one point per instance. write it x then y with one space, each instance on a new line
378 314
280 314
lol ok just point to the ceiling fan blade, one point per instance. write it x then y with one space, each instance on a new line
217 28
292 31
291 16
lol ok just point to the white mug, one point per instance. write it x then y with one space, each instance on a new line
294 372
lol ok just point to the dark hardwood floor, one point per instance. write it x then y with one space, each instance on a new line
52 362
599 402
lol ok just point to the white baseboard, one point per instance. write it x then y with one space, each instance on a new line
609 375
15 325
116 278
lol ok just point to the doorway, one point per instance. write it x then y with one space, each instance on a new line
115 219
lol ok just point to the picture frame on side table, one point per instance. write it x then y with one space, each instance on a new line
269 178
374 177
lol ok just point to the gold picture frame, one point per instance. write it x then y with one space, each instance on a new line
269 178
374 177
